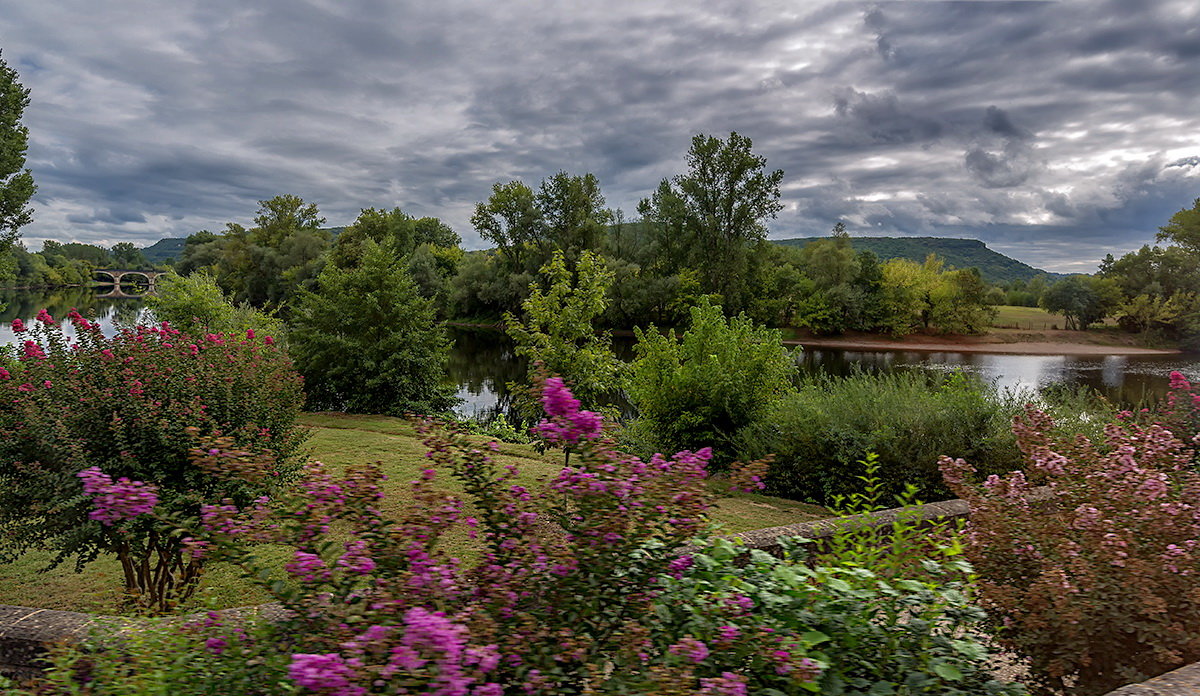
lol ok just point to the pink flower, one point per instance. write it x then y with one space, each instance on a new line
326 673
33 350
5 374
18 326
118 501
250 334
268 340
44 317
27 387
691 649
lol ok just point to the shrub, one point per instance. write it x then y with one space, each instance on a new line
196 302
131 407
584 588
1100 588
909 419
558 334
719 377
367 342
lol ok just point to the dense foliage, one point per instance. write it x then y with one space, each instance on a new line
197 302
557 333
1096 587
820 431
704 387
132 406
366 341
16 182
585 588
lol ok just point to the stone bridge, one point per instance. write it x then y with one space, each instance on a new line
117 274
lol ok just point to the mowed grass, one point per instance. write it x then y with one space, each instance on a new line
339 440
1030 318
1033 319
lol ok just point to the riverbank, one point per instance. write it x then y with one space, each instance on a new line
1001 341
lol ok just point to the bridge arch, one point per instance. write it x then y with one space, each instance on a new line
118 274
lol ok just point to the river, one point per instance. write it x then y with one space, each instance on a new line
482 361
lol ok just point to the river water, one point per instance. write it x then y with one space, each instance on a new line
482 361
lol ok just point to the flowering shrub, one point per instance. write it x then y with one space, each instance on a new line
1100 588
584 588
77 415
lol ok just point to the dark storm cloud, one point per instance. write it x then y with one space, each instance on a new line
1053 132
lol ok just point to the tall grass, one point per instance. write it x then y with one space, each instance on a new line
819 434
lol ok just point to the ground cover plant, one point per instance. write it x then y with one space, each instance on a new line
588 588
1098 588
122 414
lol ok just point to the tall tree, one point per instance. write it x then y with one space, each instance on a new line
1183 228
720 206
16 182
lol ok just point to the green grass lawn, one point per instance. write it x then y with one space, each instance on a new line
1033 319
1029 318
338 440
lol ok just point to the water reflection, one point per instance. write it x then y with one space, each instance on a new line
482 362
109 311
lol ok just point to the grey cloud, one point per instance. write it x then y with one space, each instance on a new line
1029 124
882 119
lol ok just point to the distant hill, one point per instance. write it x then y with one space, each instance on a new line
163 249
959 253
172 247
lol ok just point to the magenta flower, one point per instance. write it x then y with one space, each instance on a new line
27 387
118 501
18 326
327 673
33 350
690 649
44 317
567 424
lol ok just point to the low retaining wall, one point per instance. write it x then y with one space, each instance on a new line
1184 681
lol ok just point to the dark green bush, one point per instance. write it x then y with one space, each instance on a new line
909 419
701 390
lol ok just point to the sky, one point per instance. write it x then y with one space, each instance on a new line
1056 132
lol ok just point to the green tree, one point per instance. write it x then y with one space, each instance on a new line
126 255
510 219
16 182
703 389
186 302
366 341
1082 300
282 254
719 207
558 332
1183 228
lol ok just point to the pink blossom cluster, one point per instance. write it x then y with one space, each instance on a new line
566 424
117 501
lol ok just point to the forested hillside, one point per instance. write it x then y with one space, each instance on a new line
995 267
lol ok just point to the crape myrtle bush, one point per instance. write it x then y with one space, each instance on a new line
585 587
1102 588
909 419
131 407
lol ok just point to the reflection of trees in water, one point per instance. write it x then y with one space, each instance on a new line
25 304
481 364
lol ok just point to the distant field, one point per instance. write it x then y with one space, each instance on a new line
1011 317
1031 318
339 440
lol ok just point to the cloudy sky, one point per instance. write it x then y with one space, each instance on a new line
1056 132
